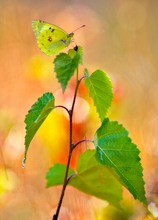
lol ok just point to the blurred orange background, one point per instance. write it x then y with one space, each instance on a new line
121 38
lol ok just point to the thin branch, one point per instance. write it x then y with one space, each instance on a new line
76 75
71 147
81 141
61 106
55 217
75 94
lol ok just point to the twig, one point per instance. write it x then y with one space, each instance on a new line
71 147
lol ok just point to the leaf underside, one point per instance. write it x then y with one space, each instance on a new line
100 90
115 150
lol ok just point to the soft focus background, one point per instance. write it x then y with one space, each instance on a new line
120 37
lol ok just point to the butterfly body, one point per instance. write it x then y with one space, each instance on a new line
51 39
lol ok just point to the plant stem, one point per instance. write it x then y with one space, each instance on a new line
71 147
61 106
55 217
79 142
77 76
74 99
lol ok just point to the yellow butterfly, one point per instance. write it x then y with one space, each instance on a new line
51 39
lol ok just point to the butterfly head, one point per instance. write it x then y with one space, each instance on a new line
71 35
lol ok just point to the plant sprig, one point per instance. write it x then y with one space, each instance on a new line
114 162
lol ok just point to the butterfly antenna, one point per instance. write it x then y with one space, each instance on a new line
79 28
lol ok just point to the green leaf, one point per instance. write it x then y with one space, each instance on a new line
78 50
36 116
100 90
65 66
91 178
94 179
55 175
115 150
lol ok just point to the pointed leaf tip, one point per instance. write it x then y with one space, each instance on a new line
115 150
36 116
65 66
100 90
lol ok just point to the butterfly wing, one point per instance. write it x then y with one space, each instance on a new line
51 39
